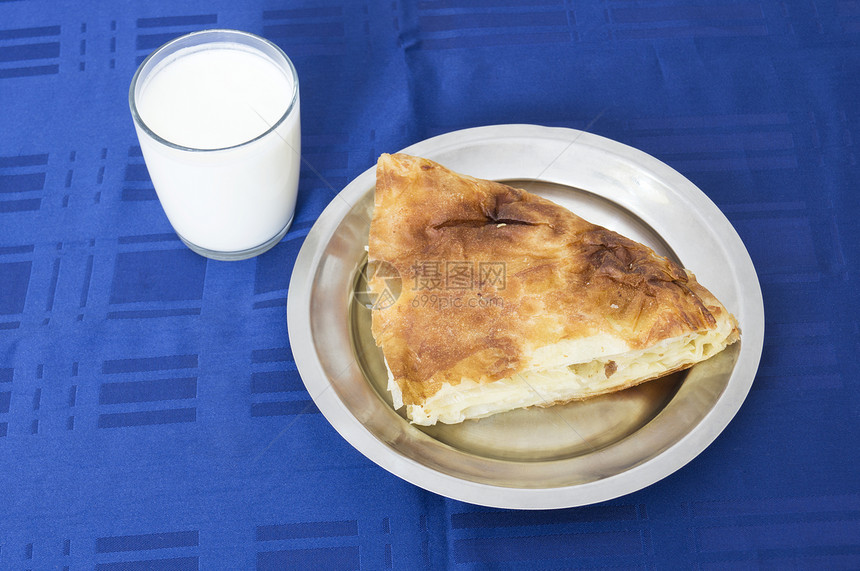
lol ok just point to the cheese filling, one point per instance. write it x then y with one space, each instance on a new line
546 386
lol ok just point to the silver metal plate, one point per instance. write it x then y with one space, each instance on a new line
555 457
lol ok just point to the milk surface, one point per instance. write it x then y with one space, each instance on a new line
214 97
227 194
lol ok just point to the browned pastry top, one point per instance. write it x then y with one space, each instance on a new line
539 275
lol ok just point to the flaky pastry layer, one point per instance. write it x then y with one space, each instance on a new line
569 292
557 385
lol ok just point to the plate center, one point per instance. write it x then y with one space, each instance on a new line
539 434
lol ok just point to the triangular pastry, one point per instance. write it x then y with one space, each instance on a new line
509 300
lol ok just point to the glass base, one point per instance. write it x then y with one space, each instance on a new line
239 254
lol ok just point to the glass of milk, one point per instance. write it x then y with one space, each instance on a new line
217 116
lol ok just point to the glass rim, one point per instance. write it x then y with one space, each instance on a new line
138 120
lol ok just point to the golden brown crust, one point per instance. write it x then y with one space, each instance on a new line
564 279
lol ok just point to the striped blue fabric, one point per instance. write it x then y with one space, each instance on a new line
151 412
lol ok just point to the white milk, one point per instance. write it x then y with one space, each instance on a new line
229 194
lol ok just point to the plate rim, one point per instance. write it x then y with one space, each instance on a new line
664 463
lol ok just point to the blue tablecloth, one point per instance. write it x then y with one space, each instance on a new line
151 415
